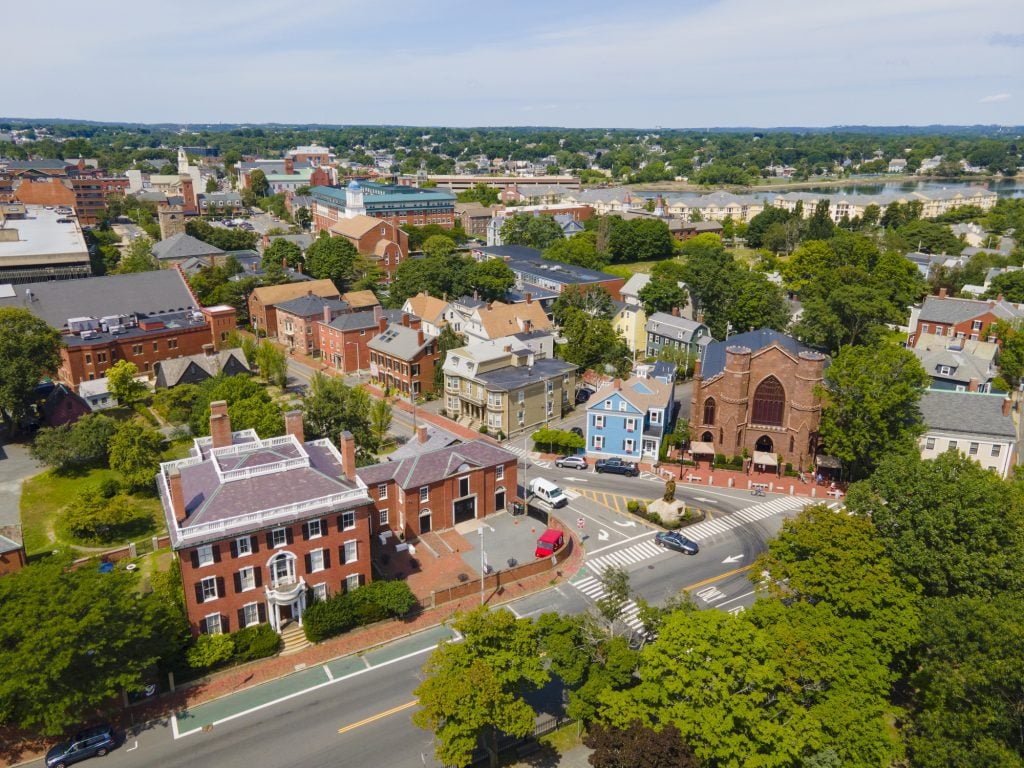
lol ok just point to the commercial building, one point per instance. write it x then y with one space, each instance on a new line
439 489
980 426
145 318
629 419
262 526
396 204
39 243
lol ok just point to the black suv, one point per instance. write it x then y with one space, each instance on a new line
92 742
616 467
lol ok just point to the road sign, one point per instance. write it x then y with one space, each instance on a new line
580 522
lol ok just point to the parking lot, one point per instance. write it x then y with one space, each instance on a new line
507 540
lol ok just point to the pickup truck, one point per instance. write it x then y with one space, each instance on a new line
616 467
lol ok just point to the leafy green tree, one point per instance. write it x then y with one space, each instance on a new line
669 269
262 415
235 390
538 232
756 303
662 296
272 363
83 443
447 341
593 342
580 249
480 193
593 301
491 278
948 524
871 396
438 246
282 252
123 384
135 454
969 687
638 747
472 691
380 421
810 262
138 258
221 237
439 276
211 185
851 309
332 258
73 640
929 237
759 225
820 226
258 183
93 517
839 560
1010 285
29 350
641 239
333 407
612 604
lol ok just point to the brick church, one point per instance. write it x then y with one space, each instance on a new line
756 391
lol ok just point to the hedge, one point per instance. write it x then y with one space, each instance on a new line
212 651
376 601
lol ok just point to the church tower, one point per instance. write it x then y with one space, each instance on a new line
354 200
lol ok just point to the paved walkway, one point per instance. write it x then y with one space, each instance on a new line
16 466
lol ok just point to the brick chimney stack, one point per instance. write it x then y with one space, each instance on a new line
348 455
382 324
405 319
327 314
675 311
293 425
220 424
177 496
972 385
421 433
529 298
1007 406
618 384
209 349
942 293
289 166
419 337
378 312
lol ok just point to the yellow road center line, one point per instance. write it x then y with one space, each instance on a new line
379 716
719 577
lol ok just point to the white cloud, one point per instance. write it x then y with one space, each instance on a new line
994 98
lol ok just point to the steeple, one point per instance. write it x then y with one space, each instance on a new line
354 200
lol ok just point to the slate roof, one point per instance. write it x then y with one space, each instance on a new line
952 311
143 293
400 341
664 324
714 357
641 393
436 438
513 377
434 466
173 369
275 294
310 305
967 413
183 246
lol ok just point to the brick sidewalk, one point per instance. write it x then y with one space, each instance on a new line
15 747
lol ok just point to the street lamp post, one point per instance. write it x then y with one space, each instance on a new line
483 564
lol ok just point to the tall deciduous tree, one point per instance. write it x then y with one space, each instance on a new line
273 363
282 252
123 384
474 690
491 279
332 258
73 640
593 301
138 257
538 232
258 183
871 396
662 296
333 407
29 350
135 453
447 341
380 421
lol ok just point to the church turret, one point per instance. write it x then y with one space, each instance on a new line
354 200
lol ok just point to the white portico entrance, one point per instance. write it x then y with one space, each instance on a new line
286 594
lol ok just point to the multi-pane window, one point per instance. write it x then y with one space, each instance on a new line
208 588
243 545
352 582
769 402
247 579
995 450
463 486
211 624
973 450
205 555
499 472
598 442
348 521
314 528
929 443
631 425
383 517
425 493
599 421
316 560
251 614
350 551
319 592
279 537
382 491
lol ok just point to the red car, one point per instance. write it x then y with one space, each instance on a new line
550 542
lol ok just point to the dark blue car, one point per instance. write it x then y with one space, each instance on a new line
92 742
678 542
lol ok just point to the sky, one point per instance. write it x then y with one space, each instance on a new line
571 63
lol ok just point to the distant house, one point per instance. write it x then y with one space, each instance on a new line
670 331
628 419
194 369
264 300
897 165
403 359
12 555
943 315
97 393
979 426
957 364
63 406
179 247
430 310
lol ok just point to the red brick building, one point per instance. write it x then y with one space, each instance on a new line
436 490
396 204
403 358
144 318
12 555
299 321
71 183
344 341
378 239
261 526
971 319
756 392
264 300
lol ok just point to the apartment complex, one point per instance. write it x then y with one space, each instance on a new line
397 205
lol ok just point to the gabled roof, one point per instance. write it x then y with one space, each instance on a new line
361 299
426 307
275 294
949 310
505 319
972 413
357 226
434 466
437 438
642 394
183 246
664 324
310 305
714 358
175 368
636 283
400 341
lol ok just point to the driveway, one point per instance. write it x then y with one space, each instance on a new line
16 465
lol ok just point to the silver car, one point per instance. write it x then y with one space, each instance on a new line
571 462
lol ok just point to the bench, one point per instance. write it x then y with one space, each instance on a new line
835 492
693 478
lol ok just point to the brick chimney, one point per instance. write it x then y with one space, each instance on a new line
419 337
942 293
327 314
405 319
972 385
293 425
220 424
382 324
529 298
618 384
675 311
378 312
348 455
696 369
421 433
289 166
177 495
209 349
1007 406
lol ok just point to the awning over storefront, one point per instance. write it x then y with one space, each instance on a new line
702 448
764 459
827 462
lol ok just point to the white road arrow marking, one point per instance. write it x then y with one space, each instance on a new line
626 524
733 559
602 535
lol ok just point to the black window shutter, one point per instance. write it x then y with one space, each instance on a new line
289 536
341 524
238 582
261 610
305 531
221 592
216 553
309 563
241 618
194 554
199 592
259 576
270 540
234 548
327 558
225 625
255 544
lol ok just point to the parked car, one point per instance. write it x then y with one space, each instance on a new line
616 466
577 431
571 462
91 742
675 540
582 395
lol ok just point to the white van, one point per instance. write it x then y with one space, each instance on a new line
547 491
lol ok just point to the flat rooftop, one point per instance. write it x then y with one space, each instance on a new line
42 239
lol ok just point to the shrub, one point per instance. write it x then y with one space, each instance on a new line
632 506
719 459
395 597
145 413
256 642
737 461
340 613
94 517
109 487
483 429
654 517
328 618
210 651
